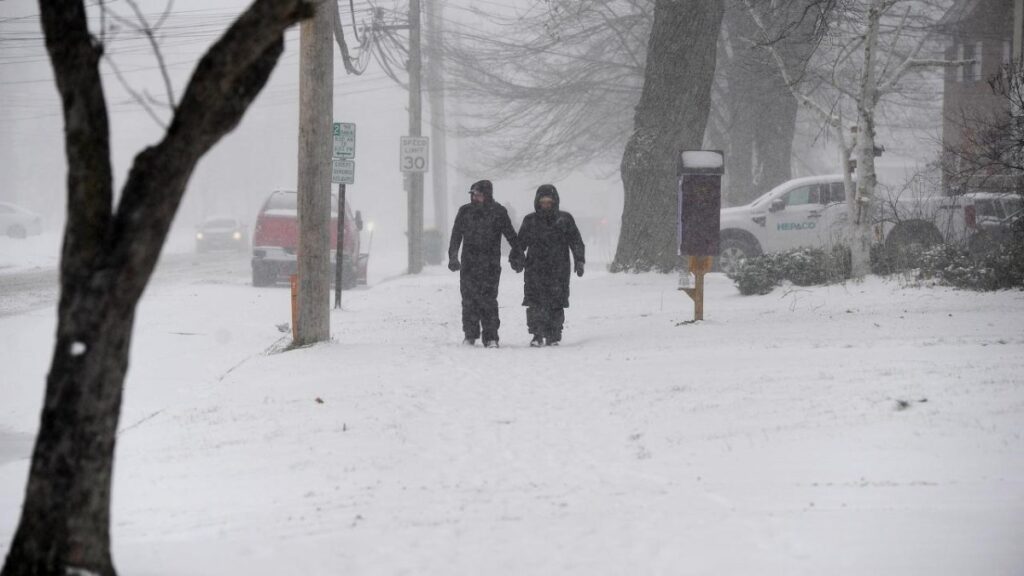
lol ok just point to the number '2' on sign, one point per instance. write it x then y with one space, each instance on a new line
415 153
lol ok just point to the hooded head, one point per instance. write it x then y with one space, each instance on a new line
484 187
548 191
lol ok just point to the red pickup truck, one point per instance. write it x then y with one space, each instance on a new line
275 241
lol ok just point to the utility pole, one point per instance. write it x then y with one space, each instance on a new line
316 82
415 181
438 117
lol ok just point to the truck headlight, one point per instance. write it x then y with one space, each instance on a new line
199 235
237 235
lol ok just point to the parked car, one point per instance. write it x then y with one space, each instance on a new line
989 218
18 222
221 233
812 212
275 240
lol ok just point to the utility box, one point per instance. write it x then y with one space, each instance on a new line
700 201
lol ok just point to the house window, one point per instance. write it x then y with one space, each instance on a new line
979 52
971 71
961 56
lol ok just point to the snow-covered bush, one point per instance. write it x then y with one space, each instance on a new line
997 269
801 266
757 275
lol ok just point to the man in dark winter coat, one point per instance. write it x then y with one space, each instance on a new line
546 239
479 227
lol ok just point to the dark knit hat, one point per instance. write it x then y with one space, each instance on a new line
483 186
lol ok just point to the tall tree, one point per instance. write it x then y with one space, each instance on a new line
555 89
671 116
875 47
758 108
108 256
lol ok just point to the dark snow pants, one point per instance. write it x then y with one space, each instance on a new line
546 322
480 303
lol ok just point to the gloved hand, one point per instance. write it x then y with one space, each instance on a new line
579 269
454 265
517 266
517 262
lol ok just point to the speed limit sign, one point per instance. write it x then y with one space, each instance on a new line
415 151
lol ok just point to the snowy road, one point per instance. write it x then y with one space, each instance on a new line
865 429
27 290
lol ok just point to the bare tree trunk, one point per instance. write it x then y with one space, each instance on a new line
670 117
861 208
773 135
107 261
740 99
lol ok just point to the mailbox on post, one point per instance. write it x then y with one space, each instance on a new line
698 216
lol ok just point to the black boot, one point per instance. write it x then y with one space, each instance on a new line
537 341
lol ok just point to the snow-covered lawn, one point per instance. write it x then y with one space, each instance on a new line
845 430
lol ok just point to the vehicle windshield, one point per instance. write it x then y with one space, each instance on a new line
823 192
289 200
220 223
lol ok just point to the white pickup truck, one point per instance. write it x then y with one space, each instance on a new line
812 212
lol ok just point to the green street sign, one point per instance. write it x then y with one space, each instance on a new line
344 140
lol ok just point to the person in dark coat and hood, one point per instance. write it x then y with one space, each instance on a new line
478 228
546 239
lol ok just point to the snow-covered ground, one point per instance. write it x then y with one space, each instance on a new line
845 430
32 253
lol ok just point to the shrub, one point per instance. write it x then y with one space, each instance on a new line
996 269
802 266
757 275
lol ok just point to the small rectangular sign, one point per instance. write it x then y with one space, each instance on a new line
343 171
414 154
344 140
699 216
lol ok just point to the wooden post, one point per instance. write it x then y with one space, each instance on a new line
438 119
338 259
294 281
415 129
316 81
699 265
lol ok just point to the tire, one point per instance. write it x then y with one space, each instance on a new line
732 252
17 231
260 277
350 278
905 243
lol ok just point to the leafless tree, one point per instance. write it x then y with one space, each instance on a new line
108 256
753 108
554 89
874 47
671 116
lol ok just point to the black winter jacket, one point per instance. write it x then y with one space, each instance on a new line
547 238
479 228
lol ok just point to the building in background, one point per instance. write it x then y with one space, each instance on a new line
988 34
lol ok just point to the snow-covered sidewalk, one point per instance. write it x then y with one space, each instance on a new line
858 429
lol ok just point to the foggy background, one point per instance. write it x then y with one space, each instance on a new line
260 156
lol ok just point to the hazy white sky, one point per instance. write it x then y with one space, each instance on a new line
260 156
